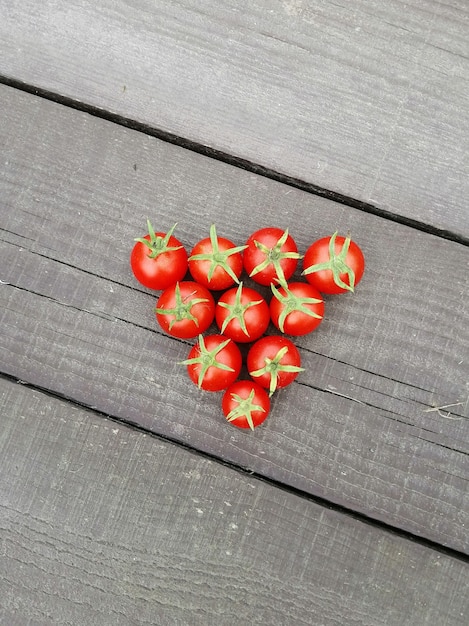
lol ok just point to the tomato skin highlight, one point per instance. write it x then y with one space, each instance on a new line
297 322
323 279
277 354
255 257
256 404
251 306
162 271
195 318
214 378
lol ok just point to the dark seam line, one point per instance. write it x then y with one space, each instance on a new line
235 161
304 495
362 369
393 415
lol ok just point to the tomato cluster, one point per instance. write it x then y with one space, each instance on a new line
187 308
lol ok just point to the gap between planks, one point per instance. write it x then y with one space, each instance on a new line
230 159
459 555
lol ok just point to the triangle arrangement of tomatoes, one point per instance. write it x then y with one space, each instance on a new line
208 288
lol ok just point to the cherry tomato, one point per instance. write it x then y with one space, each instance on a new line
245 404
185 309
158 260
242 314
214 362
273 362
334 264
297 308
216 262
271 256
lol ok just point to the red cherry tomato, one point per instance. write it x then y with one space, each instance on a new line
216 262
214 362
242 314
273 362
158 260
271 256
245 404
185 309
334 264
297 308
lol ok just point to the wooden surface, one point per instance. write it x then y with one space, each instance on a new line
124 495
106 525
368 99
357 428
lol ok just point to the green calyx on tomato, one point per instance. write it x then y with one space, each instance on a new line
273 256
273 367
218 258
157 244
336 264
237 310
244 408
292 302
208 359
182 308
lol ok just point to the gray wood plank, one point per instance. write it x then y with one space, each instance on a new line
358 429
102 524
368 99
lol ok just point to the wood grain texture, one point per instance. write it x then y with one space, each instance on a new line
368 99
102 524
358 428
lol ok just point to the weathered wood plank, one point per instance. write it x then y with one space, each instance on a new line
102 524
366 99
356 429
